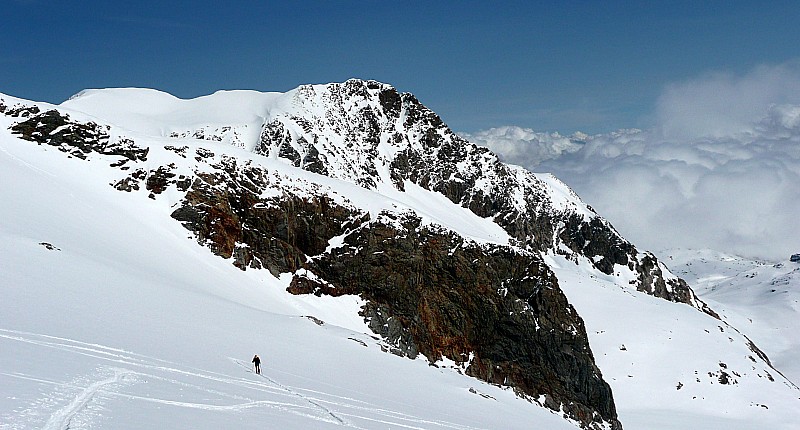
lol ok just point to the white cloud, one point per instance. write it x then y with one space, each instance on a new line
721 104
721 169
524 146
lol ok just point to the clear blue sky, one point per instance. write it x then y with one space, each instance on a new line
556 65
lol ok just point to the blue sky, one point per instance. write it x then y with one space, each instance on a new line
560 65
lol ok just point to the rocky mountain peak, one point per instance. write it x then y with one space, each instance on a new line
368 133
352 131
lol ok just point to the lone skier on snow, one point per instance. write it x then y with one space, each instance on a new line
257 362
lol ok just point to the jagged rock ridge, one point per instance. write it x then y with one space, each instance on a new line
368 133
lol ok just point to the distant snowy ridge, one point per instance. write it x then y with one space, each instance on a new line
761 298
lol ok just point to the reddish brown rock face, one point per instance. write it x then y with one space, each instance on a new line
495 309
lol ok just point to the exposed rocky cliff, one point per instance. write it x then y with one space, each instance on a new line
494 309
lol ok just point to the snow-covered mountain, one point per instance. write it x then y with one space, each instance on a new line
355 206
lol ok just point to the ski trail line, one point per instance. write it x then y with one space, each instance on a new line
384 416
61 419
78 347
25 163
290 408
310 403
289 390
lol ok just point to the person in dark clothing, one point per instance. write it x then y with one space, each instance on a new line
257 362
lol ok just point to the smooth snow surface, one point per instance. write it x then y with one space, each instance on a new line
157 113
665 361
762 298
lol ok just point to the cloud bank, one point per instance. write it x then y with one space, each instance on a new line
719 170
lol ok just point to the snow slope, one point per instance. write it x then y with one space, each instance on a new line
673 367
127 323
114 317
760 297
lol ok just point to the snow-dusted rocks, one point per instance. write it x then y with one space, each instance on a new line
368 133
76 138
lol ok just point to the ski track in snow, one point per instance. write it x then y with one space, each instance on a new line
78 399
317 402
25 163
61 419
75 397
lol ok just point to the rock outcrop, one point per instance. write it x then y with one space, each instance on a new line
494 309
75 138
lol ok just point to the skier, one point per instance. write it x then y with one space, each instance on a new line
257 362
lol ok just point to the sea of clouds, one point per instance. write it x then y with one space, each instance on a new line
720 168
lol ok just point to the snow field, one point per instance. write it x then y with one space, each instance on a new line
762 298
663 359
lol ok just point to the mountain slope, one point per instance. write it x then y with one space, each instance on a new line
126 323
370 134
276 217
450 253
672 367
